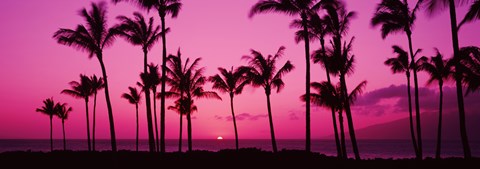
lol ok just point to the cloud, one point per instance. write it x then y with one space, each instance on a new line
293 116
241 117
395 99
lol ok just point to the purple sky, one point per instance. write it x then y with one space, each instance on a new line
34 67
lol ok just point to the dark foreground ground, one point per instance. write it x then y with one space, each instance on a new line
245 158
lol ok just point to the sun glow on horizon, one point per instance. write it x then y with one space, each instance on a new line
219 138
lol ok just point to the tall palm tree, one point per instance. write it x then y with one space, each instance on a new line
439 70
48 108
338 22
263 72
155 79
331 97
164 8
96 84
434 7
63 110
187 80
181 108
138 32
231 82
396 16
93 38
82 90
470 68
472 14
400 64
134 97
301 8
317 30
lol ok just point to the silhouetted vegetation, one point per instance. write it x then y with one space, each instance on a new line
63 111
133 97
96 84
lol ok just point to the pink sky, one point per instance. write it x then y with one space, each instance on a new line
34 67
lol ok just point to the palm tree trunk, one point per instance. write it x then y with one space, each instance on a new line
189 131
51 133
94 118
136 140
151 138
181 134
342 135
162 99
113 139
458 82
64 141
155 118
412 130
234 121
88 125
417 101
272 131
334 119
348 112
439 133
307 82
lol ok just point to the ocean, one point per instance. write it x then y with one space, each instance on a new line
368 148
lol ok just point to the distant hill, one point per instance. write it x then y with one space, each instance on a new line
399 129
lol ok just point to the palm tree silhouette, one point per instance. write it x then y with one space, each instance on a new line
96 84
93 38
469 68
138 32
82 90
155 79
164 8
395 16
294 7
472 14
400 64
134 97
439 70
263 72
331 97
338 22
63 110
317 29
434 7
188 81
231 82
48 108
181 108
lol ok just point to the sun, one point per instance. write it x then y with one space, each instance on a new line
219 138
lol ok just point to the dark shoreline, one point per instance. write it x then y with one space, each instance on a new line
245 158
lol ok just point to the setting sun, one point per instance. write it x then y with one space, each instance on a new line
219 138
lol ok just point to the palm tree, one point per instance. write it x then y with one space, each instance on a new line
294 7
155 79
96 84
93 38
395 16
331 97
134 98
164 8
138 32
470 68
472 14
317 29
187 80
48 108
263 72
439 70
181 108
434 7
82 90
231 82
338 22
63 110
400 64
